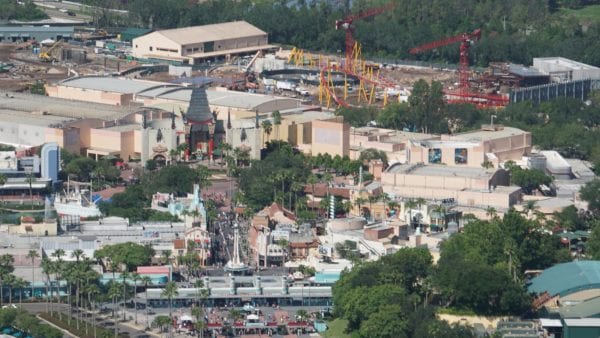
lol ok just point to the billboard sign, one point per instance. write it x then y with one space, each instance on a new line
325 251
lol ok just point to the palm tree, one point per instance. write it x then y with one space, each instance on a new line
312 180
372 199
59 269
166 255
173 154
491 212
267 128
2 179
170 291
124 277
30 178
147 281
20 283
77 275
48 268
6 268
201 294
276 116
529 207
295 188
408 206
440 211
10 281
359 201
136 278
32 254
114 291
92 291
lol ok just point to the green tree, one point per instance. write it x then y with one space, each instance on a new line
170 291
387 322
267 128
146 281
6 268
590 193
130 254
32 254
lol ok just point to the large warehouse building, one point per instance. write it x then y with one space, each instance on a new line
200 43
17 34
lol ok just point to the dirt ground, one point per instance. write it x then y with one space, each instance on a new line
28 69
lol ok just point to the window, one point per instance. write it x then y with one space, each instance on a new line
461 155
189 50
136 46
435 155
150 48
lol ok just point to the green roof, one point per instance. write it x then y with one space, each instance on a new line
566 278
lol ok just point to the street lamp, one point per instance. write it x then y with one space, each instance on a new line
211 135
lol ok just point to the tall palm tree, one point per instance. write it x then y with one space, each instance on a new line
372 199
135 277
124 276
201 294
32 254
6 268
166 255
30 178
267 128
170 291
408 206
92 291
58 271
114 291
48 269
20 283
276 116
10 281
147 281
359 202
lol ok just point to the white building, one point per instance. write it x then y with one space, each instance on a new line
561 69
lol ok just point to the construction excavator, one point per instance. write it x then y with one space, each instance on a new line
47 55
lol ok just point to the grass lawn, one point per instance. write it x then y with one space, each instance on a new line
591 12
335 329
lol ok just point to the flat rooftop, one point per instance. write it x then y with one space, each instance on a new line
110 84
33 119
124 127
225 98
484 135
61 107
566 64
441 170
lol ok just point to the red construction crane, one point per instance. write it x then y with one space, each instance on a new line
465 40
347 25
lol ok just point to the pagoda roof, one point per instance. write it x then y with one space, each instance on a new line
198 111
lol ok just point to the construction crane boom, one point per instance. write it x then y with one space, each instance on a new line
465 40
347 25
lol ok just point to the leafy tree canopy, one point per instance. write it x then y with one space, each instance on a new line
129 254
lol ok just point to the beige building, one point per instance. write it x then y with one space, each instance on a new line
493 144
330 137
468 186
198 43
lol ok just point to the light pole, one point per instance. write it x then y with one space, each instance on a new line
211 137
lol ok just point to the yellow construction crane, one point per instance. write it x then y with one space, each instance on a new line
46 55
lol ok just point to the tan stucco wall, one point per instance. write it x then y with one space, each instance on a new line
88 95
105 139
330 137
38 229
141 46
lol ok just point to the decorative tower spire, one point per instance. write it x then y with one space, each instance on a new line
173 119
229 118
256 125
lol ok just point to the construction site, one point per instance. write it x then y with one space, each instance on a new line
331 80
